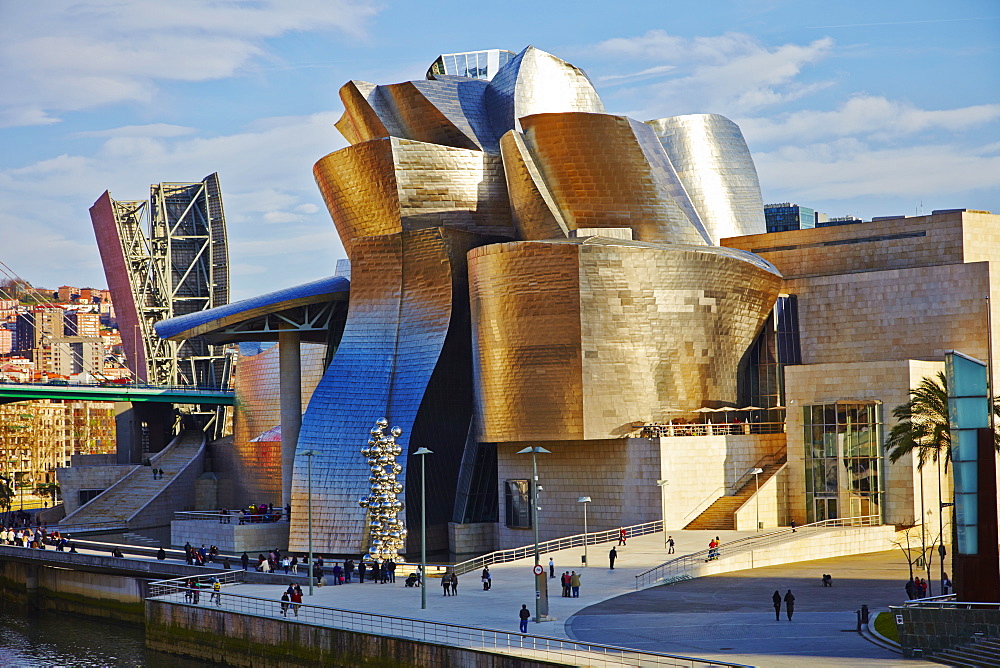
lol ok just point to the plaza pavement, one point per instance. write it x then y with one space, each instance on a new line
727 617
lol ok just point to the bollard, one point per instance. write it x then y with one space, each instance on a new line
858 615
864 614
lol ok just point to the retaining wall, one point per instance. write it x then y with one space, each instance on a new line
244 640
935 629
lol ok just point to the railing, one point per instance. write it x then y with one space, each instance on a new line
232 517
704 504
84 527
948 601
555 545
706 429
124 386
439 633
766 460
722 490
677 569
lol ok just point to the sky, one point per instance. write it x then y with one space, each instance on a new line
852 107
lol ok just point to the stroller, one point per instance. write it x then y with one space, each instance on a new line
412 580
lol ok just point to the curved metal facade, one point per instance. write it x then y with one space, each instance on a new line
577 339
567 338
713 161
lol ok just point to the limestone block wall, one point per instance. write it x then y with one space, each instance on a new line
76 478
885 381
703 468
618 474
772 508
230 538
472 538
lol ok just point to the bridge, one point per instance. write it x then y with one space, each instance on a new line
136 394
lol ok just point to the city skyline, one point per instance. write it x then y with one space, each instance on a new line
848 109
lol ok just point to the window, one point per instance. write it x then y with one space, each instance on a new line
843 460
517 504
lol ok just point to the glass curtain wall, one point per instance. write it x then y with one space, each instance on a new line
843 460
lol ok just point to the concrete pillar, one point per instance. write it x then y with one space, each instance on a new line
290 372
127 436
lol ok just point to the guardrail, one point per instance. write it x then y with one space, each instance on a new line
948 601
707 429
439 633
232 517
125 386
555 545
84 527
677 569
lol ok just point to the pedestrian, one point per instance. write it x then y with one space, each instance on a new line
446 584
391 570
552 568
574 582
621 536
245 560
348 569
161 555
789 604
777 605
793 526
286 564
525 616
911 590
295 565
454 584
285 598
922 587
486 578
216 592
362 569
670 544
565 584
945 583
612 555
296 597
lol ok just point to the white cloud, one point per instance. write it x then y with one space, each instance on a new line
865 115
848 168
69 55
150 130
273 208
728 74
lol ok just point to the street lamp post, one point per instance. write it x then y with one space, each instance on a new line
423 524
584 500
539 583
663 507
309 512
756 496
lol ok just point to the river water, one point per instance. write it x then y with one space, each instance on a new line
63 640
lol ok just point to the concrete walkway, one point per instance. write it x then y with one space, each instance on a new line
730 617
513 585
725 617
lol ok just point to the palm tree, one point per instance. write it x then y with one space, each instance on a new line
922 424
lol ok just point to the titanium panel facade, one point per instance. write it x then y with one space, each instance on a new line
578 339
713 161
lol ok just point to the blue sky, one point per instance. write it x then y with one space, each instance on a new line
863 108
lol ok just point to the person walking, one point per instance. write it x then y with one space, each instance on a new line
524 615
789 604
362 569
390 569
911 590
565 584
446 584
216 592
245 560
296 597
454 584
574 582
621 536
945 583
285 598
612 555
486 578
777 605
552 568
670 544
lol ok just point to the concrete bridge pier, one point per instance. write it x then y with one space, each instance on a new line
290 391
136 424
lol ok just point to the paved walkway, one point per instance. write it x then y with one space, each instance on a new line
730 616
513 585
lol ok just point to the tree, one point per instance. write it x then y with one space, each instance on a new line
922 424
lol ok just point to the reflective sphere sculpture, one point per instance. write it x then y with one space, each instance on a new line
385 530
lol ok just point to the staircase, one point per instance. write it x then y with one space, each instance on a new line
121 502
981 652
720 515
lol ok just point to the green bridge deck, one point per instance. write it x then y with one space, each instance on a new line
11 392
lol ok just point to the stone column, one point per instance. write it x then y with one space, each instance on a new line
290 371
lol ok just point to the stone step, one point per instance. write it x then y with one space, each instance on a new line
720 515
969 654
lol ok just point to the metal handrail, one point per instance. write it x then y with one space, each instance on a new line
678 568
704 504
555 545
948 601
766 460
572 652
128 386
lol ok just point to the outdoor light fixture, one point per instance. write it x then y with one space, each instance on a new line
309 505
584 500
422 452
540 580
663 506
756 496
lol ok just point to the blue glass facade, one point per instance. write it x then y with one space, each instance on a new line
783 217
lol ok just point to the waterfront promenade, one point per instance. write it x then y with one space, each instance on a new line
726 617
